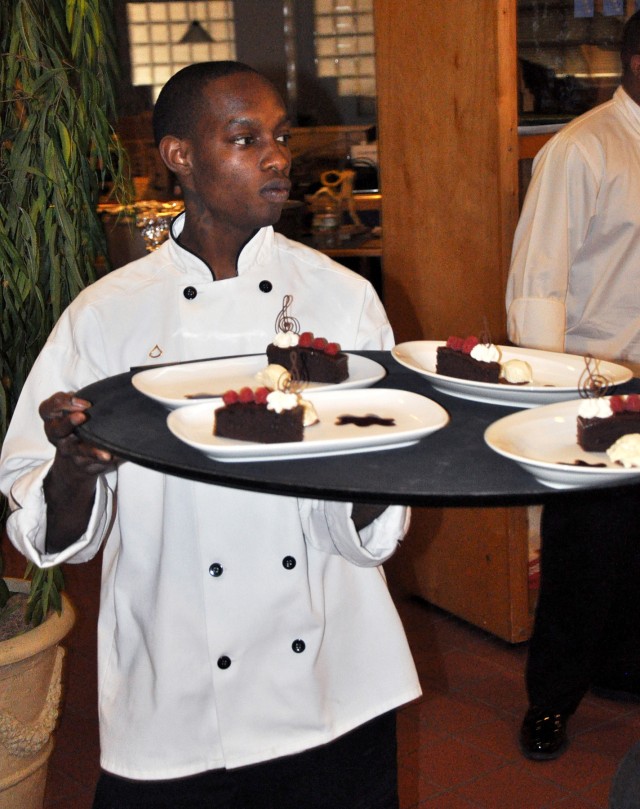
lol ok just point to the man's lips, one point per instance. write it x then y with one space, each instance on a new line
276 190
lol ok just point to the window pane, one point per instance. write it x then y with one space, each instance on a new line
344 29
164 24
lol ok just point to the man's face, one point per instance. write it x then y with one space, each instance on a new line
240 160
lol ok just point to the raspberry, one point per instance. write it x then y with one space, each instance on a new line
332 348
320 343
260 395
633 402
306 339
455 343
617 403
245 395
469 344
230 397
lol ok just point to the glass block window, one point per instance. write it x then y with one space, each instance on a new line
155 31
344 42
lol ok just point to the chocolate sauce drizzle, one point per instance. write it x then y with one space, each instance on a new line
285 322
365 421
592 383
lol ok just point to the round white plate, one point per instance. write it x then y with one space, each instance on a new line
171 385
556 377
414 416
543 441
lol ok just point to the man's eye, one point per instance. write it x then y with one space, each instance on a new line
243 140
284 138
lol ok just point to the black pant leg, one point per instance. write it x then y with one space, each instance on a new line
587 571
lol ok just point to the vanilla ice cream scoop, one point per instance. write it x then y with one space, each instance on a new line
626 450
516 372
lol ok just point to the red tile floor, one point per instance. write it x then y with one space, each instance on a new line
457 744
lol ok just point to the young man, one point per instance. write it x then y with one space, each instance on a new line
573 286
249 651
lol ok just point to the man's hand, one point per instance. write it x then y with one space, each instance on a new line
69 488
61 414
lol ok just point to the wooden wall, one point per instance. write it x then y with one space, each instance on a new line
447 118
448 150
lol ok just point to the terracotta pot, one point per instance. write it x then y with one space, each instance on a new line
30 691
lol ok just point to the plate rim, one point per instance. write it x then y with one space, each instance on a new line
173 403
269 452
505 395
543 413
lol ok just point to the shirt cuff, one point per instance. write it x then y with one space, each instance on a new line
27 523
329 528
537 323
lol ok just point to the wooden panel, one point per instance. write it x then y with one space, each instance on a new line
472 563
447 124
448 151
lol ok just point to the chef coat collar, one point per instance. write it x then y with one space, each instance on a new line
255 252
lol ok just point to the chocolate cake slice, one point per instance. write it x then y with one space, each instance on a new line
598 433
311 364
451 362
246 416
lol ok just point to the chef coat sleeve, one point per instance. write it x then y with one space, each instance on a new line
27 456
553 225
328 527
27 523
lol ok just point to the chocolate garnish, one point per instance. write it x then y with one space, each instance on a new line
284 321
580 462
365 421
297 379
592 384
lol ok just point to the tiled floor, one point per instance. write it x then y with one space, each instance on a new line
457 744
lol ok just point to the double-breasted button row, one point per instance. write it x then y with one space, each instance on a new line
298 647
191 292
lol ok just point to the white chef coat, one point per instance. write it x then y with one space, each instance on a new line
234 626
574 282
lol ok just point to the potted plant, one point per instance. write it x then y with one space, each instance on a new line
57 151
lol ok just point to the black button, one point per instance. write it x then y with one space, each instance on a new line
215 569
297 646
288 563
224 662
190 293
265 286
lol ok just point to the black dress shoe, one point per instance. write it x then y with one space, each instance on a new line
543 735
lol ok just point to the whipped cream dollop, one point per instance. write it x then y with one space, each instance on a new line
516 371
278 400
626 450
486 352
598 408
286 339
274 376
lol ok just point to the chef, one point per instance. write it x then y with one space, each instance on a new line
249 652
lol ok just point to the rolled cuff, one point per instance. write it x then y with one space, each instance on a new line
27 523
537 323
329 528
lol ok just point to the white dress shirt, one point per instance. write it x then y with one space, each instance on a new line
575 267
234 626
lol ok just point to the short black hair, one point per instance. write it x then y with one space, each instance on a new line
630 45
179 104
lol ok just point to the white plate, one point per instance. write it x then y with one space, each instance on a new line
543 441
172 384
556 377
415 416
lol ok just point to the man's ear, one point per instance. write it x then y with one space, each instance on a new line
634 63
176 155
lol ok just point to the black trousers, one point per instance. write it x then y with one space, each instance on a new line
587 622
356 771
